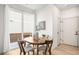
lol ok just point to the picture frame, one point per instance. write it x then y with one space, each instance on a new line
42 25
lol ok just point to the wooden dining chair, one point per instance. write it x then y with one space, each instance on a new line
21 50
24 48
47 47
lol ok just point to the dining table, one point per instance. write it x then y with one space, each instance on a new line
35 41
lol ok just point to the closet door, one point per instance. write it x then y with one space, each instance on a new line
78 33
70 32
58 31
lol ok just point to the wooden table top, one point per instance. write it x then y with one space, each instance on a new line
33 41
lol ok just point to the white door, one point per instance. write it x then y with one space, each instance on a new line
78 32
58 31
70 31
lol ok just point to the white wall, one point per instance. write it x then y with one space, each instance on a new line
45 14
50 14
2 10
71 12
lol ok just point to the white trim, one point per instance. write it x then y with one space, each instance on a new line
35 22
75 17
22 25
6 32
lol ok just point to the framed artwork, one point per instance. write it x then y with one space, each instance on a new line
42 25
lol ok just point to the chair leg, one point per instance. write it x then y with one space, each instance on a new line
50 52
37 50
24 53
45 52
28 53
20 53
33 52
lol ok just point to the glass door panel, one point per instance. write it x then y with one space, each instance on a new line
15 27
28 24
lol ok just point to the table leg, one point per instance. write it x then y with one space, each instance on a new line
33 50
37 50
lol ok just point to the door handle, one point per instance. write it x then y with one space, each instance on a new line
76 33
57 32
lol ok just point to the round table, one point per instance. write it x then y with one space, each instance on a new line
38 41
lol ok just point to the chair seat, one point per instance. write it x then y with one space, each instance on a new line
28 48
42 47
28 44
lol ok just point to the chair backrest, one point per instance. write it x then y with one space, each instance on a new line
27 35
21 46
49 44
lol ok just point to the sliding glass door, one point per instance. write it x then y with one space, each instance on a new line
21 25
15 27
28 24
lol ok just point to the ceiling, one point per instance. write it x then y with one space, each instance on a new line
35 6
39 6
65 6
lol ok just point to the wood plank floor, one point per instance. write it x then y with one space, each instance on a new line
61 50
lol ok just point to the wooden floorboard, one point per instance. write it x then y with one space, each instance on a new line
60 50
